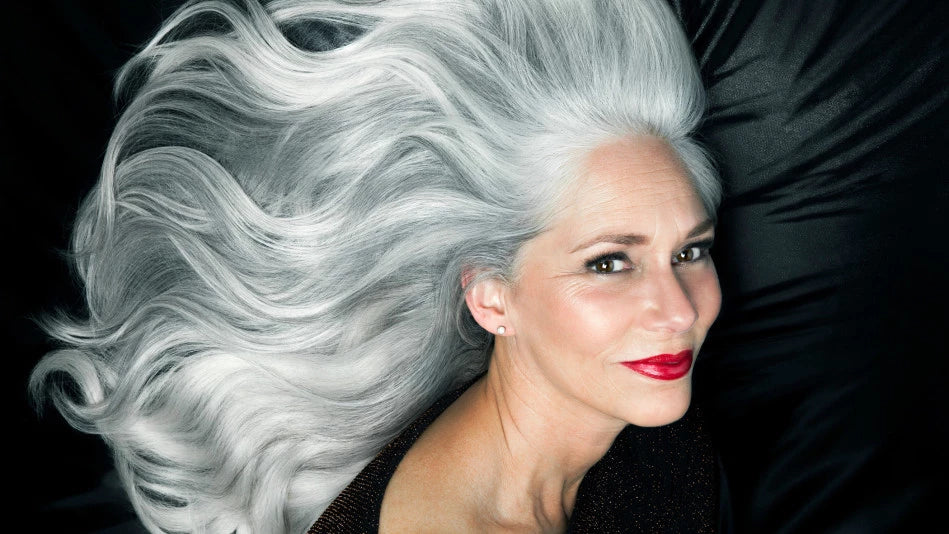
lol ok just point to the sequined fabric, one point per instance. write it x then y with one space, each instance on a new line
652 480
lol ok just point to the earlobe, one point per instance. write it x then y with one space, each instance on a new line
485 300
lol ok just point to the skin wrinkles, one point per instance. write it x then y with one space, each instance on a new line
515 441
556 394
508 397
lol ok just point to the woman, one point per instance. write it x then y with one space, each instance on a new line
291 254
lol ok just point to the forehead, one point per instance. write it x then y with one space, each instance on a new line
630 185
641 171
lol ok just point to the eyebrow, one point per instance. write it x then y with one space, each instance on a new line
637 239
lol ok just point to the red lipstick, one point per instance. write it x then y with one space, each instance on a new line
663 366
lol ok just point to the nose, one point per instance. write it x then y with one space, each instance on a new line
668 308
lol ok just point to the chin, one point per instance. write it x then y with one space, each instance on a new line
664 408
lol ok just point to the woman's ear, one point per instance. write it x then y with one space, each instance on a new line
486 302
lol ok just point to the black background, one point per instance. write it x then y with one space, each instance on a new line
824 376
59 59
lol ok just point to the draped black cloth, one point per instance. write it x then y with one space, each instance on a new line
822 381
829 120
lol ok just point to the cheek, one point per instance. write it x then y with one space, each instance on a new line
579 318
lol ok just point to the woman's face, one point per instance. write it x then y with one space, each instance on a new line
623 274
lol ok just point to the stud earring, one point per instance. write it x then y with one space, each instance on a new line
501 330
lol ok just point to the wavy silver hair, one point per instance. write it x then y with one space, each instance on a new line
272 256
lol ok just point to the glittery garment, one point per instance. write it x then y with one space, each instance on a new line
663 479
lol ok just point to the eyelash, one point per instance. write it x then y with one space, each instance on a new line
704 248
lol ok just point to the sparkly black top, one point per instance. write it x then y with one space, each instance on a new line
665 479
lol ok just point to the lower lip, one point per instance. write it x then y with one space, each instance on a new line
664 366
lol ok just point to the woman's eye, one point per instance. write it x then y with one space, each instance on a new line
690 254
612 263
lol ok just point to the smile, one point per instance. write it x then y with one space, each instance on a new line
663 366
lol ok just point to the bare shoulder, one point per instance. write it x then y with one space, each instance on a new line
432 488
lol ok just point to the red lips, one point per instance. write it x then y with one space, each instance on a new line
663 366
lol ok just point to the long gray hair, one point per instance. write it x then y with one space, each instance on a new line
273 255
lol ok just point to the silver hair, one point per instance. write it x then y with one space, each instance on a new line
273 253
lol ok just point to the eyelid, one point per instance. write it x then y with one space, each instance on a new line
615 256
704 245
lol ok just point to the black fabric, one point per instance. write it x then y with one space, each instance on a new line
824 371
823 377
655 480
652 480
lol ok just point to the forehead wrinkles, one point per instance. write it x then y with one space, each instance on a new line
643 168
637 155
637 192
624 191
629 177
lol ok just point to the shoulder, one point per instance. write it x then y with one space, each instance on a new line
431 491
358 507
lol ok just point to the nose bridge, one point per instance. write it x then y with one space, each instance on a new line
669 306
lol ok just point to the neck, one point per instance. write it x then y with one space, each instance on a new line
541 442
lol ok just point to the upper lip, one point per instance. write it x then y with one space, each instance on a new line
664 358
